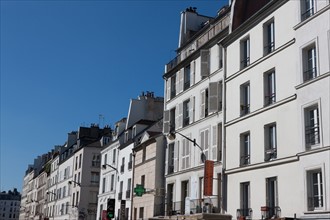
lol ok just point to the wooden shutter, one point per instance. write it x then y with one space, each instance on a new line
213 97
176 153
205 63
177 116
192 110
181 75
168 89
192 72
166 128
202 107
214 142
177 83
180 117
183 154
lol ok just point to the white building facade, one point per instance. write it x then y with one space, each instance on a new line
277 110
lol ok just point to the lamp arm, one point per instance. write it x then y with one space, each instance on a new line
191 140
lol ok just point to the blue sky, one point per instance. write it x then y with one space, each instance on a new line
63 63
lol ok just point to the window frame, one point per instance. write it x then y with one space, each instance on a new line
269 36
307 13
245 98
270 142
245 149
309 72
270 87
309 188
245 53
306 119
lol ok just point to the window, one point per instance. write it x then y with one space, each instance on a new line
204 103
312 127
245 52
220 56
141 211
114 156
105 159
315 189
80 160
184 194
77 199
245 199
172 86
103 185
134 132
269 37
186 107
205 142
122 167
96 160
170 168
128 191
95 177
143 178
309 62
307 9
270 142
185 154
245 149
112 182
120 194
245 99
76 166
144 154
169 198
272 197
205 63
130 162
187 73
269 88
217 142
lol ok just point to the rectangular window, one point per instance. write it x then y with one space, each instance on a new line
141 211
105 159
170 168
95 177
184 194
245 149
185 154
112 182
269 88
186 77
204 103
270 142
143 179
128 191
122 167
245 99
103 185
307 9
169 200
80 160
186 107
309 62
114 156
120 194
312 127
96 160
245 200
172 86
130 162
269 37
315 190
205 142
272 198
245 52
220 56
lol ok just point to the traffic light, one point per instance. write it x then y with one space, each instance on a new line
111 208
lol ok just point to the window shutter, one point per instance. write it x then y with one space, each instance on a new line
207 144
166 159
192 73
204 63
166 128
180 118
177 116
183 154
192 110
181 74
168 89
214 142
202 109
188 154
177 83
213 97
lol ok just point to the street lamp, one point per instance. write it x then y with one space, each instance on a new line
71 181
104 166
171 136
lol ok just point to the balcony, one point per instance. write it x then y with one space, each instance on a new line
243 214
213 30
245 109
312 134
245 160
196 206
270 154
270 212
270 99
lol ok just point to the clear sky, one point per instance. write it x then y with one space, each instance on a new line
65 63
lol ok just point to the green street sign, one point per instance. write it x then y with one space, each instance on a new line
139 190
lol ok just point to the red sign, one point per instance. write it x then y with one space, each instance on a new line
208 177
104 215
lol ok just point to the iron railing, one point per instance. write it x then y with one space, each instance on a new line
312 134
243 213
310 74
206 205
306 14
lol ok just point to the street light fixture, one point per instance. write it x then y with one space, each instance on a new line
171 136
71 181
104 166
